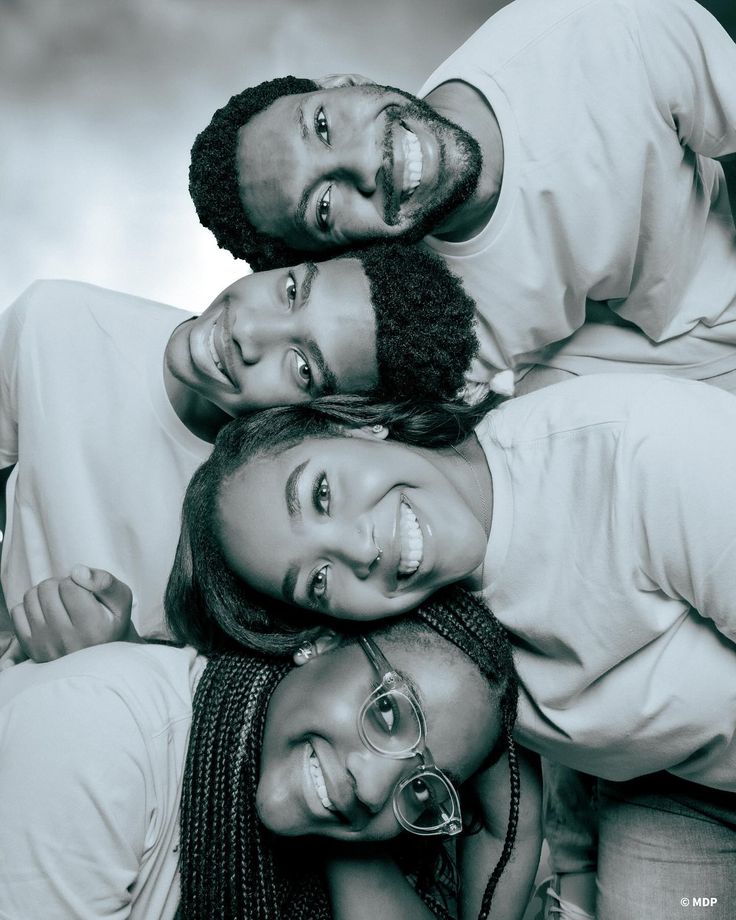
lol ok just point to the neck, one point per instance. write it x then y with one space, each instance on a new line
462 104
467 469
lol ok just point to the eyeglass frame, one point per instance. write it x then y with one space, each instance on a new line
392 680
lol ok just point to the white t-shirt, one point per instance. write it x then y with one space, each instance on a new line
92 754
102 458
612 561
609 111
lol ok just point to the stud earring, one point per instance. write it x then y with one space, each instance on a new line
377 429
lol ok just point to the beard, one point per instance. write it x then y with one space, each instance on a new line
456 188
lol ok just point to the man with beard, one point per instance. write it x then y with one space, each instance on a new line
564 160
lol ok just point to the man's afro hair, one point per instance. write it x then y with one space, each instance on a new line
425 337
213 176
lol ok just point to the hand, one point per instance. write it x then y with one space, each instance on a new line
332 80
62 615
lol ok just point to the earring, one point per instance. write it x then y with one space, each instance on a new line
377 429
307 650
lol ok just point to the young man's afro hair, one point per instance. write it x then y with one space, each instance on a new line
213 176
425 337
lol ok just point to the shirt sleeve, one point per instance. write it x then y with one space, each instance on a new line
691 63
684 499
73 804
10 328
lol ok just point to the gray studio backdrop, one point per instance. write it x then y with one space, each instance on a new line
100 101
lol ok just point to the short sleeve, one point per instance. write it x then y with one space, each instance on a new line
684 499
691 64
10 329
73 775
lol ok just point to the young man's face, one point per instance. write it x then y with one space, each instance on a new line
280 337
333 167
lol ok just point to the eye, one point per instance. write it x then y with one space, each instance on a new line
318 585
321 127
420 791
386 714
321 494
323 210
290 290
303 371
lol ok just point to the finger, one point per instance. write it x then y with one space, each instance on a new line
47 622
110 591
93 622
22 628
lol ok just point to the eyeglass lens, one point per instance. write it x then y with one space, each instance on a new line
424 801
391 724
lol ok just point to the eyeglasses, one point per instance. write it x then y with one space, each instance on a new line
391 724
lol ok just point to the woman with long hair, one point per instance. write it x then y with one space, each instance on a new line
126 761
594 517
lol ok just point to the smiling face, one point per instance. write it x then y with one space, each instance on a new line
317 777
352 527
327 169
279 337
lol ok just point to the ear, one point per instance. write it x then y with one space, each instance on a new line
323 642
334 80
370 432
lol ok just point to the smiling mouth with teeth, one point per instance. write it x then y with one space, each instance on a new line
213 351
319 780
413 162
411 541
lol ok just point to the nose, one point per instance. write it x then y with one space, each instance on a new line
362 157
356 544
374 776
254 332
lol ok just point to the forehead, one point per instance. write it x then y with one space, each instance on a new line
268 153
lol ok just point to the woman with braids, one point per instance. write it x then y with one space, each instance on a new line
596 519
404 730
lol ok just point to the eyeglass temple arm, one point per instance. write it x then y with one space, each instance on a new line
377 658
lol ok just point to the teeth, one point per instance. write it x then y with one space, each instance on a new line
213 352
319 781
411 541
413 161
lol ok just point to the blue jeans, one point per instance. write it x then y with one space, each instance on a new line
570 818
666 849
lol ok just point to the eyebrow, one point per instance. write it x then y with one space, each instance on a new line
302 123
329 384
300 214
288 585
329 380
291 492
311 272
294 508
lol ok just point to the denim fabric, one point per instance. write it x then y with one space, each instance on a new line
570 818
664 846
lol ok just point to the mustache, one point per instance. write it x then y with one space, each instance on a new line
391 200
